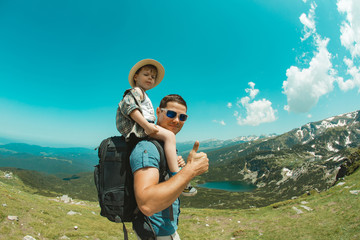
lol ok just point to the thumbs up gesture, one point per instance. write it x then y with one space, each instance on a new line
199 162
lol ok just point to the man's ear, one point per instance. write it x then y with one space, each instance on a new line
158 112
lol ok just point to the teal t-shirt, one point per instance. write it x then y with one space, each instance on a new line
145 154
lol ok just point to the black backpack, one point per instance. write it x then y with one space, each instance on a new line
114 180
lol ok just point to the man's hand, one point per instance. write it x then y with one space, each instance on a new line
199 162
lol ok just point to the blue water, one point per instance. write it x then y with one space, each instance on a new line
231 186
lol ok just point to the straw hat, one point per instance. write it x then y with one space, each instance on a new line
138 65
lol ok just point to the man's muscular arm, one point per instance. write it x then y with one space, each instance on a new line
153 197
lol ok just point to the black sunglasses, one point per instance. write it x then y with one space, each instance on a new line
172 114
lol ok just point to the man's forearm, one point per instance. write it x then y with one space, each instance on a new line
154 197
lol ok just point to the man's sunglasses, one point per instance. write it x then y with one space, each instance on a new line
172 114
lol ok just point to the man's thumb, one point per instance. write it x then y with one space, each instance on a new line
196 146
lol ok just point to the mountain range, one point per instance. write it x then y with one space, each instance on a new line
213 144
314 140
73 160
309 158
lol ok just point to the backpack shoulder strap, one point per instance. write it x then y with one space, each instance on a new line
102 149
163 165
162 172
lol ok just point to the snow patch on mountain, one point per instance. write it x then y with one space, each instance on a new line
350 115
300 133
286 174
312 153
347 140
328 124
335 159
331 148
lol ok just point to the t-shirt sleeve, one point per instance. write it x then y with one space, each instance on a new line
145 154
128 104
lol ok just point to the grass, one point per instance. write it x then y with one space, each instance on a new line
334 215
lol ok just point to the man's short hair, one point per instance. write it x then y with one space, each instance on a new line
172 98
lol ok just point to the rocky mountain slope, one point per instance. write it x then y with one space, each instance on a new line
311 157
318 139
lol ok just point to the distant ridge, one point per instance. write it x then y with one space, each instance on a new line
47 159
213 144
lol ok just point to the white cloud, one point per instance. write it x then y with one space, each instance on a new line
229 105
220 122
354 72
350 39
243 101
257 112
304 87
309 22
350 29
253 92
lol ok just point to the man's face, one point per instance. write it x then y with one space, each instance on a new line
172 124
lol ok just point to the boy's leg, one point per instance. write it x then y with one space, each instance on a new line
169 140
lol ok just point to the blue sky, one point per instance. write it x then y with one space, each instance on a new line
247 67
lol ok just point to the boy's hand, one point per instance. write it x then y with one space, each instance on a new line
151 129
181 162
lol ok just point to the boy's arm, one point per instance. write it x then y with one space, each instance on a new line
139 118
140 92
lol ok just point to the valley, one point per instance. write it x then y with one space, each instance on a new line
332 214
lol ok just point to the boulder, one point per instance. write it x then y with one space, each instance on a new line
355 192
28 237
71 213
13 218
66 199
298 211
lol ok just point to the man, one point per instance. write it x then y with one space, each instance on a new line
157 200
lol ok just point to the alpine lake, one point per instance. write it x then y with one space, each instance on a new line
230 186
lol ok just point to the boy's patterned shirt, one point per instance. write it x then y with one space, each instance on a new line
124 123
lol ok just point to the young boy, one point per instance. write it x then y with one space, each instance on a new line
135 115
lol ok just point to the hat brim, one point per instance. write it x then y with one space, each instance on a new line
159 67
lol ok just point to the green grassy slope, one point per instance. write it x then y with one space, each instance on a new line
334 215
